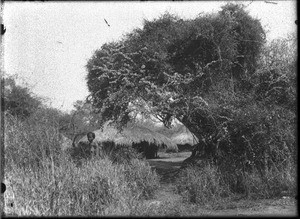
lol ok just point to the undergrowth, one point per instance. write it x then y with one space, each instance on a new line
44 180
210 186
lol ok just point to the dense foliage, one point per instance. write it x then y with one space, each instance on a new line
213 74
18 100
174 66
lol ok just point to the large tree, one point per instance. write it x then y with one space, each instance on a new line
172 68
201 71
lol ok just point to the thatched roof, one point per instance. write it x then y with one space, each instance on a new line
178 133
184 138
131 134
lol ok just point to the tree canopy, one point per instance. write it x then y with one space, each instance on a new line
171 67
207 72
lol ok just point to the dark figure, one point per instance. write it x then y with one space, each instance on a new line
93 146
91 136
87 148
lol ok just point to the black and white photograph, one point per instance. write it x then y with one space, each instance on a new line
149 108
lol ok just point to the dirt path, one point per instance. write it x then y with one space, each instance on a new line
167 167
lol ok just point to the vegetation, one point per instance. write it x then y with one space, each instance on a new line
208 185
147 59
80 121
45 181
204 186
17 100
215 74
97 188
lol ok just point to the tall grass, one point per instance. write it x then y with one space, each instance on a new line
96 188
274 183
143 179
43 180
202 185
28 143
207 184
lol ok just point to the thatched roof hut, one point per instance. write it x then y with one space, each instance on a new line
184 138
178 133
132 134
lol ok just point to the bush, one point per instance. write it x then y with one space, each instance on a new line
118 154
18 100
123 154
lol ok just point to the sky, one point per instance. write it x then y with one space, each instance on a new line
47 44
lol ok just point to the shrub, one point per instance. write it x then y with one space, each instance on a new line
18 100
123 154
118 154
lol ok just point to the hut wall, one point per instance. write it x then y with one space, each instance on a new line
184 147
151 151
140 147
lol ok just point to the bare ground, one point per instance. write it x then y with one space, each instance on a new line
167 166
